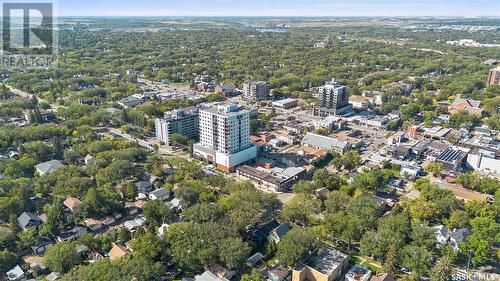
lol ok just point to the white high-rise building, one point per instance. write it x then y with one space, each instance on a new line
224 136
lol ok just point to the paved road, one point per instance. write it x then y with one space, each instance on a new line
28 95
147 144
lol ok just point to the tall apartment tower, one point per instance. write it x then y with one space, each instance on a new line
177 121
256 90
333 99
494 76
224 136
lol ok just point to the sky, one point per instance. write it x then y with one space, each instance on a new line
279 8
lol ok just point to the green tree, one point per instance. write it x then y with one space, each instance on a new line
391 261
255 275
296 244
301 208
54 218
148 246
62 256
433 168
233 252
7 260
124 269
157 213
187 195
416 258
442 270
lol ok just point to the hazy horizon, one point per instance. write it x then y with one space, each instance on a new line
280 8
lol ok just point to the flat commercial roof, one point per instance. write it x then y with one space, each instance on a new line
285 101
453 154
323 141
326 260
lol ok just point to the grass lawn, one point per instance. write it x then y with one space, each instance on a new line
368 262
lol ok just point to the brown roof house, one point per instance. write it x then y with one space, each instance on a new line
469 105
118 251
72 204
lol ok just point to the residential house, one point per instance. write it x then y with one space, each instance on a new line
453 238
261 234
118 251
326 264
161 194
93 224
277 233
109 220
53 276
209 276
398 87
175 204
410 171
130 208
27 220
48 167
255 260
73 234
72 204
469 105
46 115
16 273
220 271
143 186
88 158
163 229
358 273
133 225
41 246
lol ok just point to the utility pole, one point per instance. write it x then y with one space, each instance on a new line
468 261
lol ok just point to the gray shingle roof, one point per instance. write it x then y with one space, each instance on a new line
49 166
25 218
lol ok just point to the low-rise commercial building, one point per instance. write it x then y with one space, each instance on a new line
324 142
359 102
484 161
277 179
453 157
286 103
